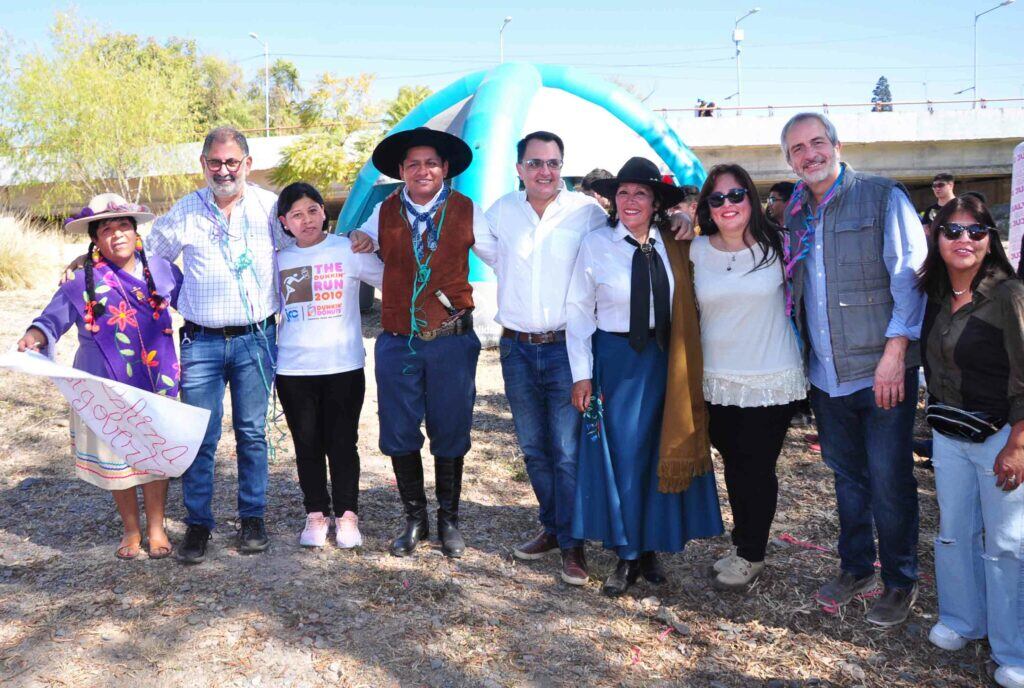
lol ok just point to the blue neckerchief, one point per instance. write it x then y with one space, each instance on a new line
427 218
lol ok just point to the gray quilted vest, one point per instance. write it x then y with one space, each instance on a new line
857 283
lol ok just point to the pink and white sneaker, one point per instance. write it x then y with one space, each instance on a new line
315 532
346 531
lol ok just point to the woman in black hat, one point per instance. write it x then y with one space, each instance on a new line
627 339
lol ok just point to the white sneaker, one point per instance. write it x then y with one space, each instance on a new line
1010 676
737 574
945 637
725 562
315 532
346 531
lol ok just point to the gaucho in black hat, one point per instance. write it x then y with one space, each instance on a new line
425 358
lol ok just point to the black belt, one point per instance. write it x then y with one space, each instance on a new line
191 329
625 335
534 337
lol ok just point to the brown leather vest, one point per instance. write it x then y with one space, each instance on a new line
449 265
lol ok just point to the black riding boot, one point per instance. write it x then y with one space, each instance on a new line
409 476
448 482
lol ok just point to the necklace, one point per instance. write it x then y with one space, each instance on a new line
961 292
732 260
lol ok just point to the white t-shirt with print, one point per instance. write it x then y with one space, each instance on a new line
320 332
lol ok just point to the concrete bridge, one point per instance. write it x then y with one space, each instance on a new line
975 145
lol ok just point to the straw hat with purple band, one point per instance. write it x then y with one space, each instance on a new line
641 171
390 152
104 207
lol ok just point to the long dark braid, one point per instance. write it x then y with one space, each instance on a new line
156 301
93 309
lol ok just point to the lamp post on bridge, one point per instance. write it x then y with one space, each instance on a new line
978 15
737 38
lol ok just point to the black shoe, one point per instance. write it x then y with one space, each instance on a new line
893 607
448 484
192 549
409 477
622 577
651 569
843 588
252 538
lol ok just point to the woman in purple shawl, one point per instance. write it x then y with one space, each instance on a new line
119 302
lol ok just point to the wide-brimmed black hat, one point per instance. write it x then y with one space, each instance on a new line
641 171
390 153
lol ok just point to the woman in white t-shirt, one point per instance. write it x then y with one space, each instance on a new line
753 371
320 359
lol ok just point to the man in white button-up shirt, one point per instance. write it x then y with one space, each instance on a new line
531 242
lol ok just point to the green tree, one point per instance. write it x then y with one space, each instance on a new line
224 98
285 94
882 96
342 127
103 113
408 97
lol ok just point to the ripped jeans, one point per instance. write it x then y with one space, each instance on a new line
979 547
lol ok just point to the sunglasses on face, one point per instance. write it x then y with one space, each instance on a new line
775 199
232 165
537 163
952 231
735 197
938 185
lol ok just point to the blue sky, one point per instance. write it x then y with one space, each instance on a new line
796 52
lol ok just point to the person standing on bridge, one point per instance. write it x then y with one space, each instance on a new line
854 248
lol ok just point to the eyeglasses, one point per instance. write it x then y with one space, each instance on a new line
735 197
938 185
775 199
213 164
537 163
952 231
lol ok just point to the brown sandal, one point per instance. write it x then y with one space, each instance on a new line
161 552
128 552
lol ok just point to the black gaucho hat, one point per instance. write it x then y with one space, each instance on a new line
389 153
641 171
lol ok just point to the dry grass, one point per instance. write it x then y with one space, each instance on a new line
30 254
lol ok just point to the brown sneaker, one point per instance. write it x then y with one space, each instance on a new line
574 566
542 543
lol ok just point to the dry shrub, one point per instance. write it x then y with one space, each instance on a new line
28 254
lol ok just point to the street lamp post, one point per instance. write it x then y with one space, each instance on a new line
266 81
737 37
974 86
501 39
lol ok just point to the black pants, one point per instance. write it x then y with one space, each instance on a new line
323 414
749 440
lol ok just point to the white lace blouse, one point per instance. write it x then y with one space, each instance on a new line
751 355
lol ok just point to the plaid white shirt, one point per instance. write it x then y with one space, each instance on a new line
229 267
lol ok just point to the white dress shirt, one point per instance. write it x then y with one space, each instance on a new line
599 292
533 256
371 227
228 264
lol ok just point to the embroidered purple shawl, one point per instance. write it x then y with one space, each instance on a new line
136 341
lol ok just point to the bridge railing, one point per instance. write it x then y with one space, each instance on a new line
714 110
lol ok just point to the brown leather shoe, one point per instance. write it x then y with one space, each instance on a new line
574 566
542 543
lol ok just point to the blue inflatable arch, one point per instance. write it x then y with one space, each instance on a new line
501 100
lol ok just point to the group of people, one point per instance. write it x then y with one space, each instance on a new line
630 346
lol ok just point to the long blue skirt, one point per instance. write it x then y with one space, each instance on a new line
617 498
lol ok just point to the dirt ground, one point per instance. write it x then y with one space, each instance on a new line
73 615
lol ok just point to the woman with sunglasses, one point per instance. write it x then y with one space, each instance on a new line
973 337
753 372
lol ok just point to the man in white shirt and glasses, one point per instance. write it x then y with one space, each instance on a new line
531 242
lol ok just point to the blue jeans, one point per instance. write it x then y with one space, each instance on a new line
437 384
246 363
869 450
538 384
979 577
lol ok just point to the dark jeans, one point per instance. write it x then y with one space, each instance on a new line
421 380
749 440
538 384
323 415
869 450
245 365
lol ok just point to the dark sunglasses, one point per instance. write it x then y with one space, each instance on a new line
735 196
952 231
